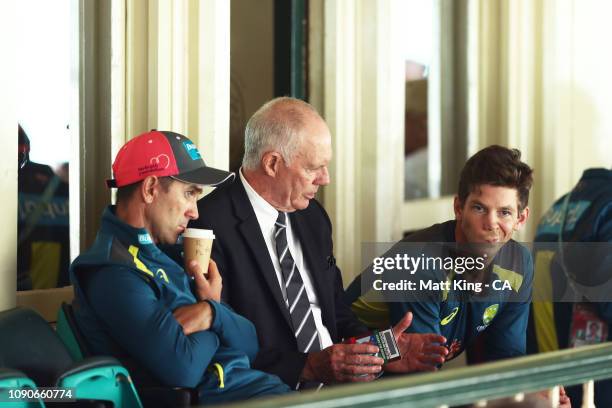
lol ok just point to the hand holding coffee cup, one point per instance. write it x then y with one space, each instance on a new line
206 287
197 245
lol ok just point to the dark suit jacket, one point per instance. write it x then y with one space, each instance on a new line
250 285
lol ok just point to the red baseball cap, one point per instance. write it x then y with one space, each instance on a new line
162 154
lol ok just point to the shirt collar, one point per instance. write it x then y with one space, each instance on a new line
126 233
266 214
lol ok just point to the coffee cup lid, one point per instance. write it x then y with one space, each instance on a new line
198 233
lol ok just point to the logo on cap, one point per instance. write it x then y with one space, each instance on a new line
162 161
192 150
159 162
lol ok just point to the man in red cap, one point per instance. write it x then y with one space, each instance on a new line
133 302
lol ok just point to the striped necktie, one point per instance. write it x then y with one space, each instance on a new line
302 319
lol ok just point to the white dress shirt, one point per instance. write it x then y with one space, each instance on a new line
266 217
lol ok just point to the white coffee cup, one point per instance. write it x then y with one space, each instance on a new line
197 245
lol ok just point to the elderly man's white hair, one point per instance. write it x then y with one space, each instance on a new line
276 126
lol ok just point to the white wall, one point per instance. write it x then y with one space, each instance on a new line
544 86
590 85
576 94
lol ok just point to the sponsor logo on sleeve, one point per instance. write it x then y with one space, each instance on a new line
144 239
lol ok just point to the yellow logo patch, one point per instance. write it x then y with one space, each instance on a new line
450 317
489 314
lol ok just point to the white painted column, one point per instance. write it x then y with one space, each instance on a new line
523 98
213 88
179 64
160 63
488 87
137 70
576 87
363 102
555 148
176 61
118 75
521 75
381 112
341 197
505 99
8 164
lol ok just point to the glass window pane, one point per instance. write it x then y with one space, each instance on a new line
43 109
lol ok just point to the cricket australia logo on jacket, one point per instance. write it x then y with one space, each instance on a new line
487 316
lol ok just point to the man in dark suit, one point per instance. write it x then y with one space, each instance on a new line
273 248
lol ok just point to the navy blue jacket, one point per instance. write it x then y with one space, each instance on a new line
126 290
587 218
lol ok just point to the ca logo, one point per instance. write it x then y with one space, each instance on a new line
489 314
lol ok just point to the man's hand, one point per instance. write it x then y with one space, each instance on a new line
206 288
194 318
343 363
564 400
420 352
